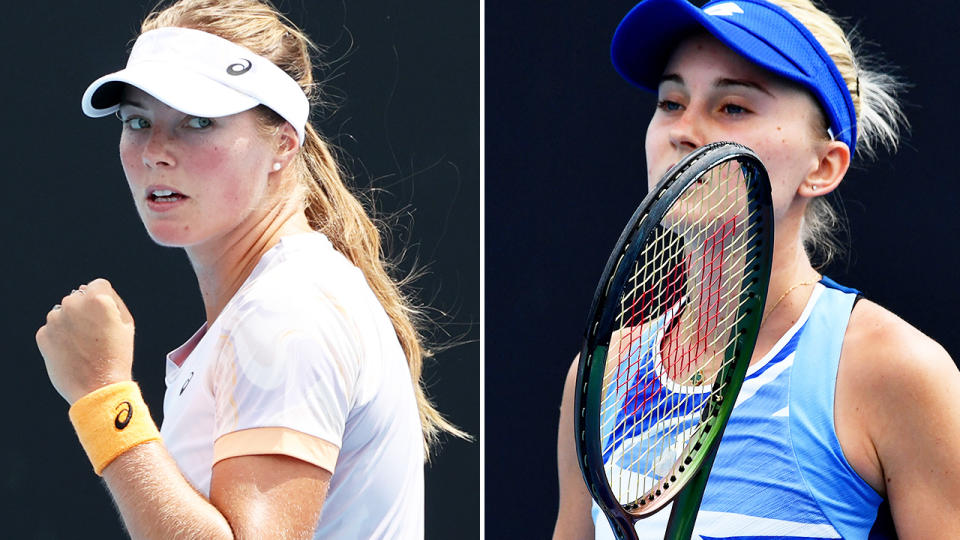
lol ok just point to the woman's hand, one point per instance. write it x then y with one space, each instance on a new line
87 342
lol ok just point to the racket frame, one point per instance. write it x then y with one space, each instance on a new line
587 399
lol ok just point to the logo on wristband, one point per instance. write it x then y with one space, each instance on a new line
124 416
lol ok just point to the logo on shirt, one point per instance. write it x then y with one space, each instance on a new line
723 10
124 416
185 383
239 68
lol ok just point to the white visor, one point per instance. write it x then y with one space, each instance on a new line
200 74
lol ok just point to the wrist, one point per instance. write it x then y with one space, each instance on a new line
111 420
81 389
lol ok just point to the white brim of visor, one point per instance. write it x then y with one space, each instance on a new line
200 74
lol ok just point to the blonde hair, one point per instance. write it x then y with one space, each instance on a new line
330 206
880 118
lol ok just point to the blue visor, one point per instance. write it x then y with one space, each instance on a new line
760 31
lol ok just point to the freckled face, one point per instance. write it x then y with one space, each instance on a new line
709 93
193 179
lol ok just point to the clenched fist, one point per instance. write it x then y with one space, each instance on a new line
87 342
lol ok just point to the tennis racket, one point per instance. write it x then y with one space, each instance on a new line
669 337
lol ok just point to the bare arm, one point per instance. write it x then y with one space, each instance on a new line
155 500
87 344
902 393
917 436
270 496
573 517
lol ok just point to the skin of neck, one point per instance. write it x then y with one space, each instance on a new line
791 266
223 264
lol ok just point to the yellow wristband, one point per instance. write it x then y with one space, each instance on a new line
111 420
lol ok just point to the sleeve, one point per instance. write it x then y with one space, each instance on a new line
285 380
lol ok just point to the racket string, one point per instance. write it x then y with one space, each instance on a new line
671 324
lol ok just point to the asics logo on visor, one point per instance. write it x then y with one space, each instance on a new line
239 68
723 10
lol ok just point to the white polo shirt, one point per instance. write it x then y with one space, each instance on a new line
303 361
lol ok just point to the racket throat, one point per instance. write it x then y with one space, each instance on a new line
683 513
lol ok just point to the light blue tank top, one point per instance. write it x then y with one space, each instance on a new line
779 471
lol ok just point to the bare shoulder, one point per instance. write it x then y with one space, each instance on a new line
898 418
891 366
880 343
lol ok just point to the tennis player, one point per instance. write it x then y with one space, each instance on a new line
844 405
296 410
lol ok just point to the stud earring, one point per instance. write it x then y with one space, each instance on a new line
277 166
814 187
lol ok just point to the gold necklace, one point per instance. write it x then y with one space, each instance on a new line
697 377
788 291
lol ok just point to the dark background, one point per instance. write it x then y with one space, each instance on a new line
565 169
408 77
